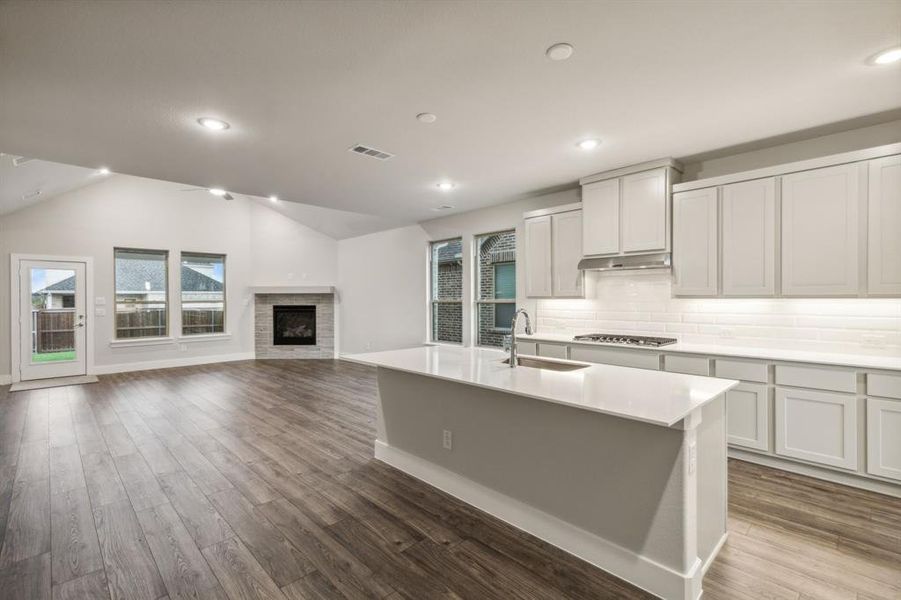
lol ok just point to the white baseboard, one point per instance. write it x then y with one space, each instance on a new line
826 474
170 363
638 570
5 379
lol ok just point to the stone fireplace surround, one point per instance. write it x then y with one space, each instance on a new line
322 297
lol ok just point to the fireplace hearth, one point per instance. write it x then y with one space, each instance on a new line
294 325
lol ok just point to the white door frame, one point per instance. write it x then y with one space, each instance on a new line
15 307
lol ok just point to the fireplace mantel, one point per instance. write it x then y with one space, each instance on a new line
292 289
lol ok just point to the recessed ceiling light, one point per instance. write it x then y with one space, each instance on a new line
560 51
589 144
273 198
103 171
212 123
426 118
446 186
887 57
218 192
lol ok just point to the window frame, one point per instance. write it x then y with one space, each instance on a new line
166 297
477 285
181 291
433 302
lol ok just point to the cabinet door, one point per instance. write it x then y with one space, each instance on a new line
820 427
749 238
538 256
748 416
884 233
695 243
640 359
600 218
820 232
552 350
567 251
644 211
884 438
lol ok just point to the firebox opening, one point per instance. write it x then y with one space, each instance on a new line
294 325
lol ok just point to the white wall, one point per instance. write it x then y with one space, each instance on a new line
382 290
262 247
383 276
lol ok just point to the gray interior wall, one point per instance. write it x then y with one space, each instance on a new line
133 212
624 479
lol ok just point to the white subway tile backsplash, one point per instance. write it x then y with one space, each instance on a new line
643 302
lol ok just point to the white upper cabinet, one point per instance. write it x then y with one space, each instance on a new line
749 238
645 209
567 252
600 218
820 232
695 243
552 251
884 231
538 256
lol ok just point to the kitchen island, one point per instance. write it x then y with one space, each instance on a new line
623 467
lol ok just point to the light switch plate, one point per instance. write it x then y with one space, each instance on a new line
99 312
99 301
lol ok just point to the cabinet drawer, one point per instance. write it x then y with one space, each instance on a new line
690 365
742 369
748 416
614 356
527 348
887 386
884 438
836 380
819 427
551 350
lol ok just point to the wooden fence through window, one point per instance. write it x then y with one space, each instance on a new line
52 330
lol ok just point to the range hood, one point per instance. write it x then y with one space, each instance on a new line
661 260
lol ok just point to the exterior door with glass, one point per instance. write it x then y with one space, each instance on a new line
52 319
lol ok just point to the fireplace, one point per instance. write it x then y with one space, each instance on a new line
294 325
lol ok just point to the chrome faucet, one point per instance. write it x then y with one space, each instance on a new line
514 359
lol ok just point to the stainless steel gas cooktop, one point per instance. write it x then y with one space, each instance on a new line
630 340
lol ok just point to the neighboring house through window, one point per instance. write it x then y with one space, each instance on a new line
446 290
496 286
141 293
202 293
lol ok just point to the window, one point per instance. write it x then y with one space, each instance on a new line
141 293
202 293
446 290
496 286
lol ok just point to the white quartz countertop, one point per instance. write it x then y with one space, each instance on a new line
650 396
885 360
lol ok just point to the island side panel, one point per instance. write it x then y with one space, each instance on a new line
712 480
621 480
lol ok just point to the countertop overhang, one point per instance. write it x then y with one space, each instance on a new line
654 397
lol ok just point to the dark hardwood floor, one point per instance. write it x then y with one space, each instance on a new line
256 480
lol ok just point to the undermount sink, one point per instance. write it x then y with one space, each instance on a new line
550 365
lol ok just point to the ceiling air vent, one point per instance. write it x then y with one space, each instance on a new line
371 152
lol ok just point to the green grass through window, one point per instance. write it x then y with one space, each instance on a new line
53 356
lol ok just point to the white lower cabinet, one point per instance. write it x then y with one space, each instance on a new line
819 427
552 350
748 416
527 348
640 359
884 438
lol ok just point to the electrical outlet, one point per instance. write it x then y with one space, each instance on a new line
182 347
448 440
873 340
727 332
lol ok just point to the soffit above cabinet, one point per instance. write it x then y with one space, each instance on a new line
784 169
640 167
